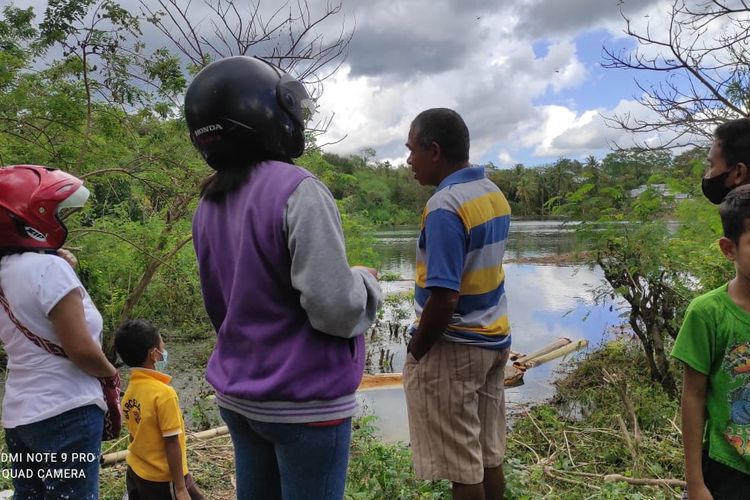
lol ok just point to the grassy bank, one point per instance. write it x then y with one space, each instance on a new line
607 425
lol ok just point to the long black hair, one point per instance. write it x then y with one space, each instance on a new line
222 182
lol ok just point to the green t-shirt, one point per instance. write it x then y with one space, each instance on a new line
715 340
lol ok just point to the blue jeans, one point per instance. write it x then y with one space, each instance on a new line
58 457
288 461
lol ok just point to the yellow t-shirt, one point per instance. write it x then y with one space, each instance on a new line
152 412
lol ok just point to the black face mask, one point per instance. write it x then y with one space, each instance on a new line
714 188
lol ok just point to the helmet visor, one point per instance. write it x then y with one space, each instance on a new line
72 203
294 99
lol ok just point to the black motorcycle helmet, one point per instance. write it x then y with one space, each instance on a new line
244 107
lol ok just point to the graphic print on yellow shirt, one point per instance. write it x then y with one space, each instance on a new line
132 409
152 412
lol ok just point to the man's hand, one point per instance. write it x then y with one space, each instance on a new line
182 494
436 315
414 351
370 270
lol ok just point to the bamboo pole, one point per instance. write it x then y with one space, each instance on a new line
513 372
118 456
557 353
380 381
113 458
544 350
216 431
377 381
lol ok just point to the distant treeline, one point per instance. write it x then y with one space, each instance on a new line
381 193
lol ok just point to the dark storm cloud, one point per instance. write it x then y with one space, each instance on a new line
380 53
551 18
412 37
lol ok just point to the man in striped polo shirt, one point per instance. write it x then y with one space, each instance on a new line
453 376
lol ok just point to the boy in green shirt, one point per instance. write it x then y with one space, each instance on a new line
714 345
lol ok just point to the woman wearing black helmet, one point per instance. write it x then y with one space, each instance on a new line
288 310
53 410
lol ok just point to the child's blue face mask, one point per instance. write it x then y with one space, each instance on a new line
161 365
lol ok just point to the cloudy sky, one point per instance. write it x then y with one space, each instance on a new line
526 75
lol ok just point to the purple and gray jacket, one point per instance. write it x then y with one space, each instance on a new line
288 311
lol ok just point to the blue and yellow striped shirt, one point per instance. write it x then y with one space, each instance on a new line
461 245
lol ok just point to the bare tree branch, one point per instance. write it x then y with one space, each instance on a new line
703 55
289 35
294 41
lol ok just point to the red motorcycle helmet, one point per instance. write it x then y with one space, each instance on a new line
31 198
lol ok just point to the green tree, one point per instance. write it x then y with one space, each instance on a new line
527 192
631 168
593 173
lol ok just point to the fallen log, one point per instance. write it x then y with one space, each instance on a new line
375 381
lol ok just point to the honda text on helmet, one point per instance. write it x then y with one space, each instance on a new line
244 106
33 200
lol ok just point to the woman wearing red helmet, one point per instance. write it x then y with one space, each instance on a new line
53 410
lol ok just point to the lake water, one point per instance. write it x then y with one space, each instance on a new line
545 302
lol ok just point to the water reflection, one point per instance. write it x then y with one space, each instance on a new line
544 302
526 239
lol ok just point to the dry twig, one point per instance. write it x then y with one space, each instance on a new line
611 478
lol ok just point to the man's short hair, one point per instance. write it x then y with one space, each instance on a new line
735 212
733 138
133 340
446 128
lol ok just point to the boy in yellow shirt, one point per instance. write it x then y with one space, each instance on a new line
157 460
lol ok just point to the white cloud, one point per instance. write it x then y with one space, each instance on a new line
494 101
505 159
503 90
583 132
590 132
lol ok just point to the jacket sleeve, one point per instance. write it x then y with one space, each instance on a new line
339 301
